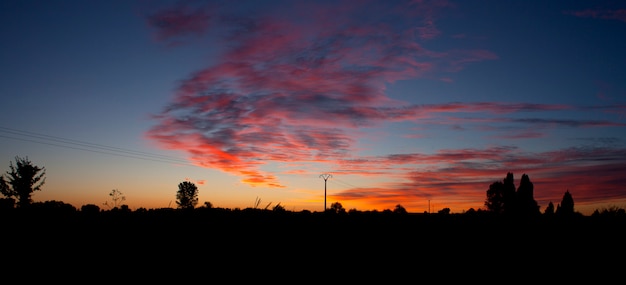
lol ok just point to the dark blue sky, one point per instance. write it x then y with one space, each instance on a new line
404 102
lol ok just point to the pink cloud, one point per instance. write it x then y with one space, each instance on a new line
297 88
289 85
527 134
459 178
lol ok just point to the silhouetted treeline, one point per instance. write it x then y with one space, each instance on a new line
154 243
60 213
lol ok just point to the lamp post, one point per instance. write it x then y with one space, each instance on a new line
325 177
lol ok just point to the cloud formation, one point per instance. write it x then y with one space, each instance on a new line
287 85
457 176
297 82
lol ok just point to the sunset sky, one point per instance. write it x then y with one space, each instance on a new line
417 103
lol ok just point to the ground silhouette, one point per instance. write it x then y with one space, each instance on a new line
152 245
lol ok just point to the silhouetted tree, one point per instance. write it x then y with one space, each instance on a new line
495 198
611 211
90 209
549 210
24 178
444 211
399 209
124 208
508 194
187 195
336 207
503 198
525 202
566 207
53 206
470 211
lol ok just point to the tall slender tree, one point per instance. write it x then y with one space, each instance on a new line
24 178
567 204
502 198
526 204
549 210
508 197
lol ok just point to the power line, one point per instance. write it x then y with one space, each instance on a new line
345 184
87 146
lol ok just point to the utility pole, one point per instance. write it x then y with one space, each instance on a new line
325 177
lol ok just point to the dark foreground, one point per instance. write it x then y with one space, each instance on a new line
253 242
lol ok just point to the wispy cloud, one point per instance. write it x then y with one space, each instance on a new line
606 14
288 85
462 176
299 87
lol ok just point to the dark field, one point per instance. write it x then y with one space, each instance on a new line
253 241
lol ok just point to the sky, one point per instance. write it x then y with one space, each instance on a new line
422 104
